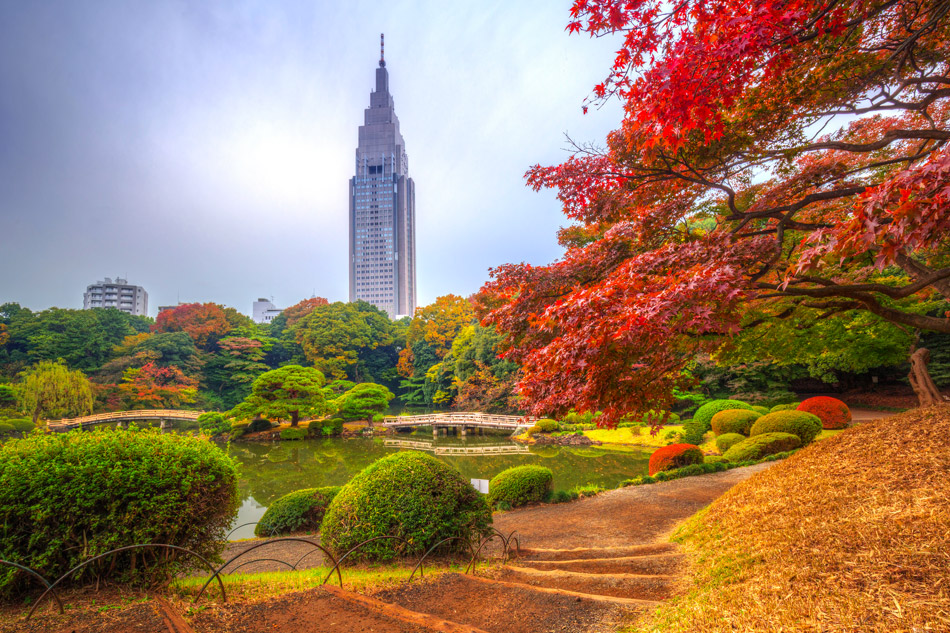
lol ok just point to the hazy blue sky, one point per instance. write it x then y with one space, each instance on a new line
202 149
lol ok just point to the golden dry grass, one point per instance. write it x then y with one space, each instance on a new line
850 534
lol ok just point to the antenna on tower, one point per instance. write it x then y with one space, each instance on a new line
382 57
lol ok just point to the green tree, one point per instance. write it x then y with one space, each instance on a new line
337 336
290 392
51 388
364 401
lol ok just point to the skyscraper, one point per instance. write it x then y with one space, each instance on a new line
383 209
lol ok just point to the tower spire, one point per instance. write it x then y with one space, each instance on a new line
382 57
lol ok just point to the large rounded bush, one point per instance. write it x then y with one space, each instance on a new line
705 413
833 413
259 424
520 485
300 511
805 425
734 421
674 456
23 425
547 425
759 446
410 495
67 497
727 440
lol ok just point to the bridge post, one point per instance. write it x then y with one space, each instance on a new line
162 424
461 431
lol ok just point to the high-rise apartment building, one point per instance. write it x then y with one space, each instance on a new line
119 294
383 209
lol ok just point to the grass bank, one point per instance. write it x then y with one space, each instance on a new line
849 534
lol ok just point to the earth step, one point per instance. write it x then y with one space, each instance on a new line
509 607
540 553
641 586
399 613
652 565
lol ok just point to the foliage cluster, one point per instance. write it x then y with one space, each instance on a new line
520 485
65 498
409 495
674 456
299 511
803 425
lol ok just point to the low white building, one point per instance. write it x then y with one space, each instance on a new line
264 311
119 294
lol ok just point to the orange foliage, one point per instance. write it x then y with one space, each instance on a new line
674 456
833 413
205 323
301 309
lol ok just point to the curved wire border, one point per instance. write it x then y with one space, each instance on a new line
224 595
39 577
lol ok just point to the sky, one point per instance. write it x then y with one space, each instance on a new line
203 150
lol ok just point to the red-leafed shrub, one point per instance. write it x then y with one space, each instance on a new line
833 413
674 456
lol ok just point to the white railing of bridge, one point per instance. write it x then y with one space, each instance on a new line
489 420
120 416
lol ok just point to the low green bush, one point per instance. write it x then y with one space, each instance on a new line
713 464
785 407
66 497
561 496
586 418
293 433
727 440
547 425
693 432
705 413
213 424
758 446
760 409
300 511
23 425
805 425
716 459
409 495
734 421
6 427
259 424
238 429
325 428
520 485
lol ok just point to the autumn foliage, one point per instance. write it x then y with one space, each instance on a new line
674 456
803 171
833 413
205 323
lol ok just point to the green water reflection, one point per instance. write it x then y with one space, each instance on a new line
268 471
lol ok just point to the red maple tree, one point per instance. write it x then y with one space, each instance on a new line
775 157
205 323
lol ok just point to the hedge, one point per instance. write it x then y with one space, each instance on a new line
547 425
734 421
727 440
66 497
833 413
300 511
713 464
759 446
292 433
409 495
805 425
785 407
520 485
674 456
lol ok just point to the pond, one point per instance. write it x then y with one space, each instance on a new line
268 471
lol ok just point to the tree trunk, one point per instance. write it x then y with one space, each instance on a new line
369 419
294 418
36 415
920 380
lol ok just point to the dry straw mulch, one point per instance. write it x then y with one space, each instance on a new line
849 534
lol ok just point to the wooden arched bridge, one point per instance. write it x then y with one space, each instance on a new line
164 415
463 421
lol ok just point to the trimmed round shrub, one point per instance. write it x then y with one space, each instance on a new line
716 459
213 424
23 425
833 413
520 485
674 456
325 428
705 413
547 425
75 495
293 433
759 446
409 495
238 429
734 421
258 424
6 427
805 425
727 440
300 511
784 407
760 409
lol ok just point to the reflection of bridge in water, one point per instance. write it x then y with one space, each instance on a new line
509 448
463 421
164 415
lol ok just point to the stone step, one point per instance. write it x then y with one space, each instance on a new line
511 607
399 613
540 553
652 564
638 586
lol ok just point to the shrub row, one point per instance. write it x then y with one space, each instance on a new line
701 469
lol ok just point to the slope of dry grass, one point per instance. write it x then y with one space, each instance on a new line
850 534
